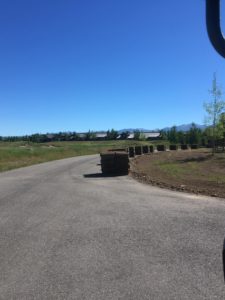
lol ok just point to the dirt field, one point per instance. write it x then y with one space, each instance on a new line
195 171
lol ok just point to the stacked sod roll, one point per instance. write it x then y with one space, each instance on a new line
115 163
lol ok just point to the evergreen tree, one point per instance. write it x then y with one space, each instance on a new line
112 134
194 135
173 135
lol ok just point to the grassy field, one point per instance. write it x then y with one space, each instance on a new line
194 171
20 154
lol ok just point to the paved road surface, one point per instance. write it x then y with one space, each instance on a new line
65 234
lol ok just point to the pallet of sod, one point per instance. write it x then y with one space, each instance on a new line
115 163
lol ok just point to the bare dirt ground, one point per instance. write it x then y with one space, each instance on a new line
195 171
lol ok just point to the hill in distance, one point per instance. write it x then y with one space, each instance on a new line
135 129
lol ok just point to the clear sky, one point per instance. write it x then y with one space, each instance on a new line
75 65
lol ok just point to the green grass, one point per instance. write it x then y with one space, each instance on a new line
178 168
19 154
193 169
170 168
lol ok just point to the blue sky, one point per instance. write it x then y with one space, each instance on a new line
75 65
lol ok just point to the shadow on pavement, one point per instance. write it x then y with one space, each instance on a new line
101 175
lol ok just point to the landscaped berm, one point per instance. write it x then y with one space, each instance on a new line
196 171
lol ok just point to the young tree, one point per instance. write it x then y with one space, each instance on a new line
214 109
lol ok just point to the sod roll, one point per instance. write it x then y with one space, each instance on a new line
131 151
115 163
161 148
138 150
145 149
184 147
173 147
194 146
151 149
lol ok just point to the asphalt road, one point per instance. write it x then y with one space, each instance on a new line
68 233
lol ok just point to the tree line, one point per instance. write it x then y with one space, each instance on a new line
213 136
194 135
67 136
197 136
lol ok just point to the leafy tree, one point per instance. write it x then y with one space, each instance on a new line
163 135
112 134
142 136
74 136
214 109
221 126
87 136
124 135
221 130
92 135
137 135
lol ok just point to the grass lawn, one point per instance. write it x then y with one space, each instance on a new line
194 171
20 154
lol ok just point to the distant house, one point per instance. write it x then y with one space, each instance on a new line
151 135
146 135
50 137
81 136
100 135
